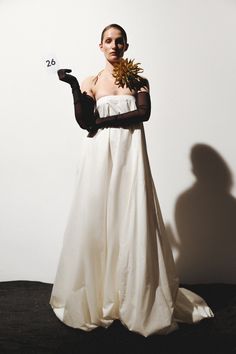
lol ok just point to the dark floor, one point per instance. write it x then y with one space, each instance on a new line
29 326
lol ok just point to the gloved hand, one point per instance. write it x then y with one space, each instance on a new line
83 103
70 79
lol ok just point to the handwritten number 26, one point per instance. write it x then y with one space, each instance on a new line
50 62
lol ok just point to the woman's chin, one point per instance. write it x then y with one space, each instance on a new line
114 60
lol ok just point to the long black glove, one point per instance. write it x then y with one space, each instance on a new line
141 114
83 103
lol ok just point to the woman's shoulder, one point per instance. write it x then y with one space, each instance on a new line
143 85
88 81
88 85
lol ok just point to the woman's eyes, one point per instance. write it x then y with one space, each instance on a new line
118 41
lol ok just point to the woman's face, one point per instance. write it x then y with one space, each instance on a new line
113 45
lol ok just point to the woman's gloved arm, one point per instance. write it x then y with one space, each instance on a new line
83 103
141 114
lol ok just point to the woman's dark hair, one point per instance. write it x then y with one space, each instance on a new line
114 25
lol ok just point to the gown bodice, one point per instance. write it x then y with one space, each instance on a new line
115 104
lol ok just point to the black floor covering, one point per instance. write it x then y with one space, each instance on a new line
29 326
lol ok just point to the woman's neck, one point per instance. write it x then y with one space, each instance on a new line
109 68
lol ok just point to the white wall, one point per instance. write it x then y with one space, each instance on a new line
188 51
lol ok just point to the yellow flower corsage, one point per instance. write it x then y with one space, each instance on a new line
126 73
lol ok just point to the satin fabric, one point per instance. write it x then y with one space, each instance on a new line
116 262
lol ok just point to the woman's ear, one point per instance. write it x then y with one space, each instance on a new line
101 46
127 46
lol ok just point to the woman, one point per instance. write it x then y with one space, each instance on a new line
115 261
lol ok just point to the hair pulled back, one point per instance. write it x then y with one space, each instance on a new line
114 25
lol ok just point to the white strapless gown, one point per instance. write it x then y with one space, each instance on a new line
116 262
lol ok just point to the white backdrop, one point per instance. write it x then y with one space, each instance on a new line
188 51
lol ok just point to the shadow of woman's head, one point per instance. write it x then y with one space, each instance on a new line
210 169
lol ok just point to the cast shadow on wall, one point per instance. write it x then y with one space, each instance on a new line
205 216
